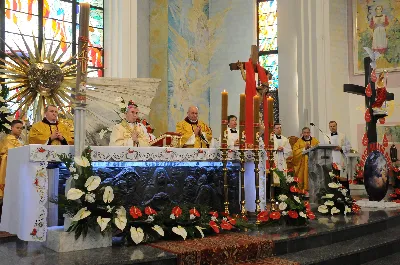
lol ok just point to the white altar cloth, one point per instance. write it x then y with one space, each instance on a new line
26 192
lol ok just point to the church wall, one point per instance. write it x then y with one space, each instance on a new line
237 34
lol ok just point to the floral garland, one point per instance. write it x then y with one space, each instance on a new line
336 199
290 207
95 206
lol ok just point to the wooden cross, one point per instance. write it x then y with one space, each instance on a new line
360 90
253 56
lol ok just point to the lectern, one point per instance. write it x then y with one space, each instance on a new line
319 166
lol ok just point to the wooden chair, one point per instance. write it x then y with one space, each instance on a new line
289 160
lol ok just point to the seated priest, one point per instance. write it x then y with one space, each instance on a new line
130 132
300 160
233 134
12 140
49 131
195 133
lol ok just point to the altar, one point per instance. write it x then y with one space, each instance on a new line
25 208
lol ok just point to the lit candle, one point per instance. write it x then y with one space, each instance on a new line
266 122
224 118
270 110
242 119
256 115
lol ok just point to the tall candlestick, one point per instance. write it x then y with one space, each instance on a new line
266 122
224 118
242 119
256 115
270 110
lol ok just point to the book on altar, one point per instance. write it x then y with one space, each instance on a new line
168 139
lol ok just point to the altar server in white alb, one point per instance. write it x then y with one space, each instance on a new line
130 132
341 150
233 134
282 147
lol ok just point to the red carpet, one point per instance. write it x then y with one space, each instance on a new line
228 249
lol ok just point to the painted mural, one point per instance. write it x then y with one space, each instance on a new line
192 41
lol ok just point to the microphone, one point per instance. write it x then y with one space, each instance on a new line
312 124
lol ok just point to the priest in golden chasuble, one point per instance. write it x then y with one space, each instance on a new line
300 160
12 140
130 132
49 131
195 133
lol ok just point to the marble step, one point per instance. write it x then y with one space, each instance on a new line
354 251
393 259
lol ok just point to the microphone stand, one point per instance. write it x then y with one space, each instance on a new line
312 124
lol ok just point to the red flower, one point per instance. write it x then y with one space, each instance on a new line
335 166
293 214
36 182
397 191
307 205
275 215
263 216
231 220
397 201
393 195
215 214
149 211
194 212
214 226
294 189
355 208
41 150
135 212
177 211
34 232
310 215
296 179
225 225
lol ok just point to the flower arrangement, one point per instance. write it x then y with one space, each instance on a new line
336 199
358 174
93 205
395 197
123 105
5 114
291 208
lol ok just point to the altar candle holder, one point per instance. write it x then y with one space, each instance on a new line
224 154
270 154
256 151
243 210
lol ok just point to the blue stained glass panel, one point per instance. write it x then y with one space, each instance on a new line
97 3
267 25
270 62
59 10
96 17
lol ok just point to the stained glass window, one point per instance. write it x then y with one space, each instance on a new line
52 19
267 38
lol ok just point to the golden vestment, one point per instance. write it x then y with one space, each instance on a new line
121 134
300 161
10 141
186 128
41 131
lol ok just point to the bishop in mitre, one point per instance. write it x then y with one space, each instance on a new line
282 150
195 133
300 160
12 140
49 131
130 132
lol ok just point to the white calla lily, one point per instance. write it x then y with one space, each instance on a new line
74 194
81 214
120 221
328 196
158 229
108 195
282 197
347 209
2 99
297 199
302 214
103 222
180 231
282 206
322 209
334 185
137 235
329 203
92 183
335 210
81 161
200 230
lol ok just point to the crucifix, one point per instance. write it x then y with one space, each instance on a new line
251 67
371 99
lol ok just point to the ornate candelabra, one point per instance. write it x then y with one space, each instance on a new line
270 156
256 151
243 210
224 153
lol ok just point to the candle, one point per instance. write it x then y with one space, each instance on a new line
256 115
242 119
266 122
224 118
270 111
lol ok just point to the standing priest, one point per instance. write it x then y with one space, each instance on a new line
300 160
195 133
49 131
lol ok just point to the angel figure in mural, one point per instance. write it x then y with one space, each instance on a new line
378 24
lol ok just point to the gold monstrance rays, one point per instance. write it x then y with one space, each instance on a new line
39 78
